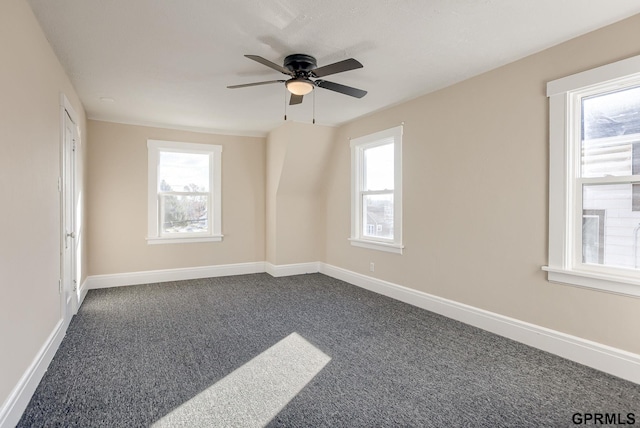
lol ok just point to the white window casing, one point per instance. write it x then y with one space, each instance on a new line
566 181
359 145
213 197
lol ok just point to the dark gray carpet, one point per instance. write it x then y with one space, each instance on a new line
133 354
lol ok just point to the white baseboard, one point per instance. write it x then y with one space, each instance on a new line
13 407
292 269
165 275
596 355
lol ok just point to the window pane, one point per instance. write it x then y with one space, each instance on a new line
184 214
611 114
602 158
610 228
377 216
611 127
183 172
378 168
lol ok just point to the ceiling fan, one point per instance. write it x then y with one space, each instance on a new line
303 68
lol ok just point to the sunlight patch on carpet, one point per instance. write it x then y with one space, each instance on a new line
255 393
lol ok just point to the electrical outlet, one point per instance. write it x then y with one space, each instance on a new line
372 267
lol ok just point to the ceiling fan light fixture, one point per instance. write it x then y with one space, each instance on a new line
299 86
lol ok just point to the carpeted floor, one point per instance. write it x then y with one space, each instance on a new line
133 356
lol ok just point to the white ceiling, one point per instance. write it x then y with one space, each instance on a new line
168 62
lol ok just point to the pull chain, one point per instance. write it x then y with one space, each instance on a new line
314 107
285 103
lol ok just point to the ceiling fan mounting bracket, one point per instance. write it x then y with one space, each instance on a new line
300 63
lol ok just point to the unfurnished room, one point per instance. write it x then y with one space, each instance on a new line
288 213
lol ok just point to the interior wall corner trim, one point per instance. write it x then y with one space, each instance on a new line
84 288
13 407
617 362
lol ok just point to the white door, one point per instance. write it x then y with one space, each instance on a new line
69 280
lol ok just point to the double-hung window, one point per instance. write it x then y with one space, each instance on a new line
594 206
184 192
376 191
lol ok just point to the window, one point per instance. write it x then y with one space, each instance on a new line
184 192
376 177
594 206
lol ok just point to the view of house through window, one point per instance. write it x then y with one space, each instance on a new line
610 164
377 192
376 216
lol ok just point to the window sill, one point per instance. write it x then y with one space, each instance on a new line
608 283
380 246
184 240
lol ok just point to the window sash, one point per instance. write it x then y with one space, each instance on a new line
162 194
156 196
358 192
362 167
577 183
565 183
377 192
363 223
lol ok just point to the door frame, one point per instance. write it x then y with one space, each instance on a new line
68 185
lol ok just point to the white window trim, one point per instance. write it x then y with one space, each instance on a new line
357 147
563 95
153 232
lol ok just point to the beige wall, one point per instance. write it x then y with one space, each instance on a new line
117 174
31 80
297 156
475 195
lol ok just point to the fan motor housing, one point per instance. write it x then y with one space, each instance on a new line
300 63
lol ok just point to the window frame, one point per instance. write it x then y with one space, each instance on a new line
154 233
358 146
565 200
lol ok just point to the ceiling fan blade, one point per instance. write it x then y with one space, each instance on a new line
254 84
347 90
269 64
336 67
295 99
